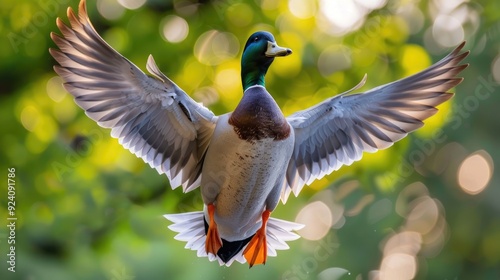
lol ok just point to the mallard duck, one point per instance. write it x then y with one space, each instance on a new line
247 160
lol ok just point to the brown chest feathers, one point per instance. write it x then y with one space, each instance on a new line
258 117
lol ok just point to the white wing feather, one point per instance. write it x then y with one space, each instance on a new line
151 116
337 131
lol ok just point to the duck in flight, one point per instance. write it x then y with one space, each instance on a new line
247 160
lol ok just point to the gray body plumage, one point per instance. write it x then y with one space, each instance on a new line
244 177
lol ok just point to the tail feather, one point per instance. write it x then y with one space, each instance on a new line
191 229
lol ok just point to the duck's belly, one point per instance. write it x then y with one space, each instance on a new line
239 177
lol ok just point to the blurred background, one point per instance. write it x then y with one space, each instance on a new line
427 208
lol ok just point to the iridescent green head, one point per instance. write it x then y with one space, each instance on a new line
259 52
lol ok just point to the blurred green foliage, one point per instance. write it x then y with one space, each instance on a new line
88 209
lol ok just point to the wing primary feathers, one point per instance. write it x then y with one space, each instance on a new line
367 122
170 136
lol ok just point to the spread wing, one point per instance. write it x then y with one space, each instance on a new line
151 116
337 131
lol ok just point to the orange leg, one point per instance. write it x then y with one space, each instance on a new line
256 250
213 242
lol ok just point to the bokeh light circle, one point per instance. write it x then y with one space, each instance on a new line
174 29
317 218
447 31
132 4
214 47
475 172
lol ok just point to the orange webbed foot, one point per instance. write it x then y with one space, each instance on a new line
213 242
256 250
